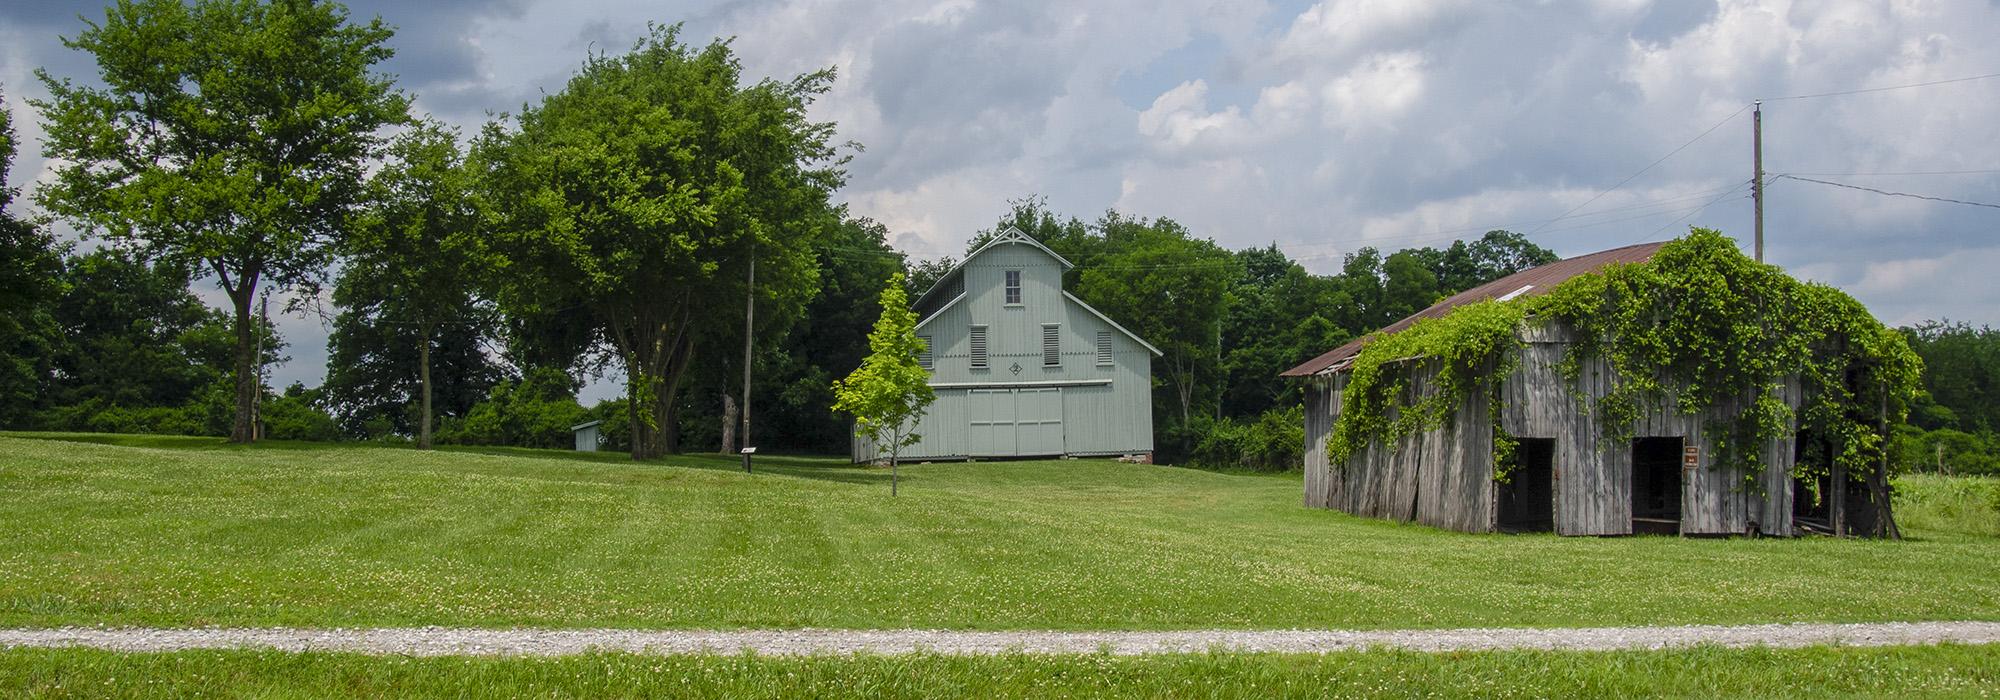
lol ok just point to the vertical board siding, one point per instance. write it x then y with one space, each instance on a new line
1443 477
1111 417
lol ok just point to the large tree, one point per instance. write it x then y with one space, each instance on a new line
638 195
417 257
229 137
29 263
1171 288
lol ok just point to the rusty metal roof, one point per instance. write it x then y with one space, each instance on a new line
1529 282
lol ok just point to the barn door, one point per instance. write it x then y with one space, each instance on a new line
1038 420
991 432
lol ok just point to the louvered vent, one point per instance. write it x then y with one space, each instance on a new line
926 358
1051 345
978 349
1104 347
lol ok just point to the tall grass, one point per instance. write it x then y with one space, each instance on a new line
1968 505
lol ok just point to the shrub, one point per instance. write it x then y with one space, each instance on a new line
298 415
1275 441
536 411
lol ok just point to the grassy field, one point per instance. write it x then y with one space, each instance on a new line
1948 671
189 532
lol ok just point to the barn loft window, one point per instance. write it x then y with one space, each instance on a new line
1051 344
926 359
1013 286
978 347
1104 347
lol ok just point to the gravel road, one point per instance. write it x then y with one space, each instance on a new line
440 641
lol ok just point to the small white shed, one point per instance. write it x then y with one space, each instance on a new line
586 435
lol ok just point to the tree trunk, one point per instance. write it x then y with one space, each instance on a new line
424 378
244 428
638 428
669 397
728 424
657 348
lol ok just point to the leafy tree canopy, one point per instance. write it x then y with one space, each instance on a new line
638 195
228 138
29 285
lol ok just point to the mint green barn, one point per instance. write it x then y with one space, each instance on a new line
1022 368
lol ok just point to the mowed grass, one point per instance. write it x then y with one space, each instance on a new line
184 532
1823 672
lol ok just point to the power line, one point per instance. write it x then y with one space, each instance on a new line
1650 166
1891 194
1907 172
1697 210
1882 89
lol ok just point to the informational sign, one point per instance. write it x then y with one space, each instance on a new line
1690 457
749 450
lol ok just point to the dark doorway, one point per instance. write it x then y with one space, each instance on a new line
1656 485
1527 500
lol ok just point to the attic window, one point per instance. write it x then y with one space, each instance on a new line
926 358
1013 286
977 351
1518 292
1103 348
1051 344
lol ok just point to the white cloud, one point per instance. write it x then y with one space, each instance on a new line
1347 123
1375 93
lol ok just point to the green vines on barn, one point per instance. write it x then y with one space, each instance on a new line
1697 325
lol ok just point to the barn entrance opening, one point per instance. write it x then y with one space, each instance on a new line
1656 485
1527 498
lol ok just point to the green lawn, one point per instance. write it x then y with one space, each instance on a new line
187 532
1947 671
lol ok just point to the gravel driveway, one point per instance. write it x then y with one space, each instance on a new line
440 641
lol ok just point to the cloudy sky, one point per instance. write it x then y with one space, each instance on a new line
1319 126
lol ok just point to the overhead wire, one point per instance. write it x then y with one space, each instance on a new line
1697 210
1621 183
1888 193
1882 89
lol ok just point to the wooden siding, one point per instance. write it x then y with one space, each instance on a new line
1443 477
1105 409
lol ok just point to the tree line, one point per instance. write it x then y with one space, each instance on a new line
1954 426
616 225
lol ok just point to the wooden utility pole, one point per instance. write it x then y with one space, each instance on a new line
1757 185
749 325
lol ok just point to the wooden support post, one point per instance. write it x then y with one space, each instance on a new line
1837 501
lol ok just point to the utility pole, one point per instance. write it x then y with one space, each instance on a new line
749 319
1757 185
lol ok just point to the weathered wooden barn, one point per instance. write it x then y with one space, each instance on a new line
1568 478
1022 368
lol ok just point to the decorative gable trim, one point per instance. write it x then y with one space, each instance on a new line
1014 235
1006 236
